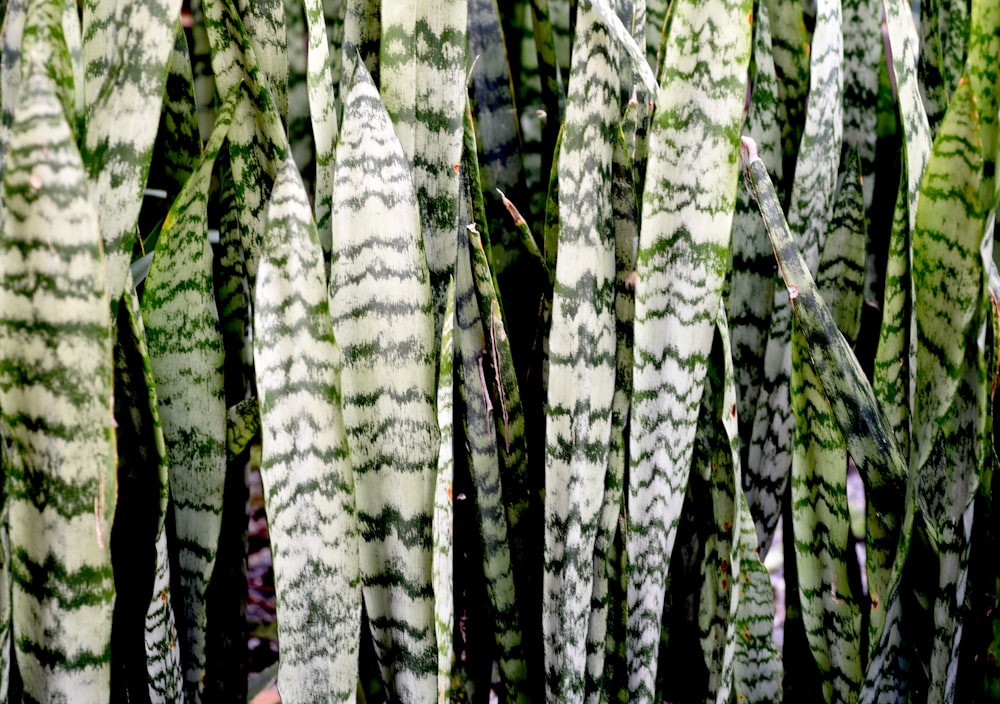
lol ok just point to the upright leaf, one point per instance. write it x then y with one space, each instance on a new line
380 300
179 296
686 219
422 84
582 344
56 400
305 464
126 51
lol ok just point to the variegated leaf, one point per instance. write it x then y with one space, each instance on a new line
126 51
422 66
751 283
442 562
323 116
144 630
582 365
483 443
831 613
949 402
381 305
983 56
256 138
686 219
812 193
862 56
607 630
916 131
56 400
305 464
179 295
264 22
791 49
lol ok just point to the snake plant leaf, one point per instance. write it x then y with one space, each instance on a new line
608 622
362 32
382 312
750 651
984 53
862 57
841 273
305 464
751 283
124 85
483 443
442 562
256 138
144 630
518 493
423 69
11 35
179 295
179 143
946 267
686 220
916 130
936 85
656 17
791 50
243 425
582 357
947 422
264 22
869 437
811 201
496 128
323 116
831 614
45 40
6 652
56 399
622 36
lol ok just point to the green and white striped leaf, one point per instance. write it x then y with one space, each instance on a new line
323 116
983 56
790 43
483 448
178 140
949 403
869 437
422 83
442 562
381 304
916 131
751 283
145 634
841 273
811 202
749 646
256 139
56 400
831 614
305 463
686 220
179 295
264 22
862 56
946 268
582 358
126 50
45 43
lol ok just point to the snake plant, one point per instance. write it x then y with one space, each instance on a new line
557 330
